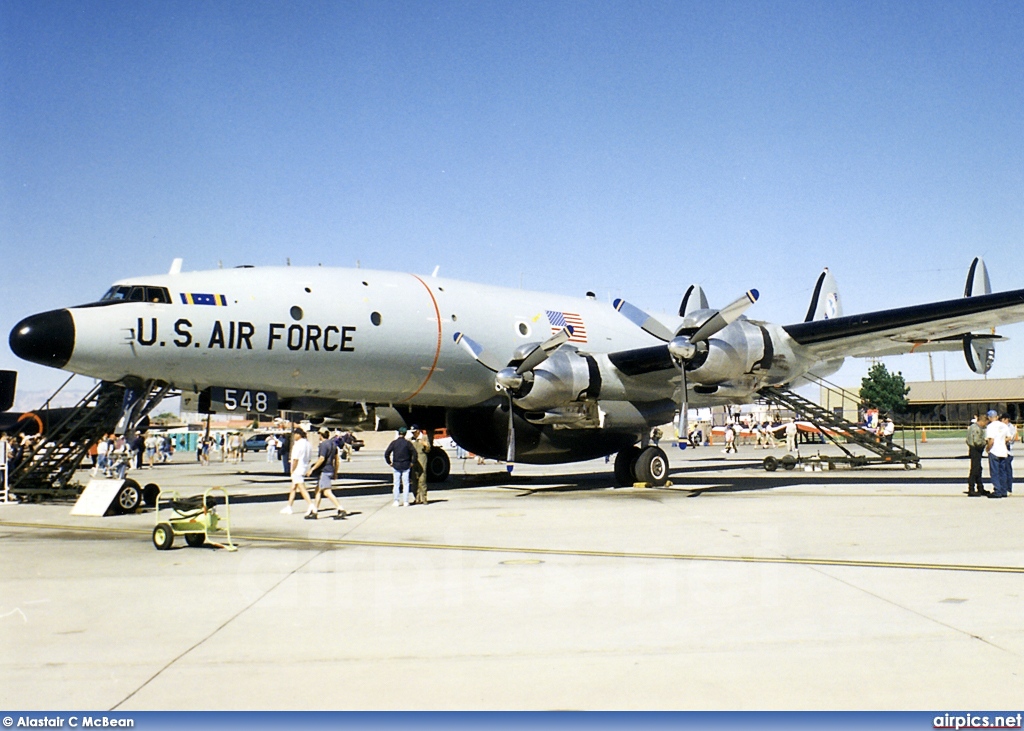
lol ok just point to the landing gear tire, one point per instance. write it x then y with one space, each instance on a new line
770 464
149 494
625 466
195 539
652 466
438 465
128 497
163 536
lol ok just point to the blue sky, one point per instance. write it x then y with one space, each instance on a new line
625 148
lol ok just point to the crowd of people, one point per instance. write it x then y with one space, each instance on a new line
14 447
116 454
407 455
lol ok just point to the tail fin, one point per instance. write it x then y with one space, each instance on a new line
825 303
977 279
693 300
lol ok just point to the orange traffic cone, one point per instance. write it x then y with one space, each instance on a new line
924 435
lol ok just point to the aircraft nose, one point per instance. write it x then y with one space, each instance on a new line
47 338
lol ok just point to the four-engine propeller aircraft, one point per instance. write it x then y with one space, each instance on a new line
516 375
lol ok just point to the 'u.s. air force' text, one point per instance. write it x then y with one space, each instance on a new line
242 336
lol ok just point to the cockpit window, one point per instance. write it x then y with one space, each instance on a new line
136 293
116 294
158 294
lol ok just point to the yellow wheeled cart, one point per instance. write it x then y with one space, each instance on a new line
194 517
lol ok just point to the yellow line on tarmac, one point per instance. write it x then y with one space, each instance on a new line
783 560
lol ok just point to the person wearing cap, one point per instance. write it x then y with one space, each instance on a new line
325 467
421 443
975 449
995 446
400 455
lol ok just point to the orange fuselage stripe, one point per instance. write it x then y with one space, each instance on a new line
437 351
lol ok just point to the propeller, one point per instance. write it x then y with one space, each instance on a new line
510 379
684 348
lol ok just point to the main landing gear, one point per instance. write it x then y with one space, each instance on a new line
648 465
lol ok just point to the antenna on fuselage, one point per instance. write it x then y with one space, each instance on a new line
436 270
176 266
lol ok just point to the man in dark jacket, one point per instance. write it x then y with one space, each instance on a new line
975 450
399 455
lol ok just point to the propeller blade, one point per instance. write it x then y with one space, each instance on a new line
510 456
541 353
477 351
725 316
646 323
684 407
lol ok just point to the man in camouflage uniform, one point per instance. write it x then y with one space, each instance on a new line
421 443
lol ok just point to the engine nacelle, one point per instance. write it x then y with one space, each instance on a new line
563 378
739 349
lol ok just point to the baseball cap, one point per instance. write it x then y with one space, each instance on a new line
992 414
402 430
415 427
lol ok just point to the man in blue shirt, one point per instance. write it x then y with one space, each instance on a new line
326 465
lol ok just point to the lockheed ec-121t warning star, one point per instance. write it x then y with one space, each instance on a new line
515 375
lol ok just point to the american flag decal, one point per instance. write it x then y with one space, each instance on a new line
559 320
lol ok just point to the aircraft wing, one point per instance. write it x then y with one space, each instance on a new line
933 326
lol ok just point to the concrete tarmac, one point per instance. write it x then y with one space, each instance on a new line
731 589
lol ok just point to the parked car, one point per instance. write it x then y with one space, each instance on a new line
256 443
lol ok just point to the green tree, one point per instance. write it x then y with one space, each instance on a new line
883 390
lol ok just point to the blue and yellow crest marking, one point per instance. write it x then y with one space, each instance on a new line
193 298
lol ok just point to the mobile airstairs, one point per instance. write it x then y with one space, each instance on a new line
841 432
47 468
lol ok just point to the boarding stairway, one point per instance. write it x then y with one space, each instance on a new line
840 431
47 467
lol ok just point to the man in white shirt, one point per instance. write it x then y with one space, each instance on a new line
791 430
1010 430
995 445
888 429
301 455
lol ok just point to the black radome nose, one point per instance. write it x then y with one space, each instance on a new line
47 338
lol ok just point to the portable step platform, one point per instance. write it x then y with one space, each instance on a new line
47 469
839 431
